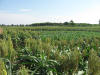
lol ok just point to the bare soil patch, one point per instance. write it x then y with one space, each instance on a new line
1 31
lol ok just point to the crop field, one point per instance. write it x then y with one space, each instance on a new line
50 50
56 28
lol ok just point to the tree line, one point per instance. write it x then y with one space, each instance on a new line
71 23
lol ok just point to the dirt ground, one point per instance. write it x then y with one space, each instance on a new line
1 31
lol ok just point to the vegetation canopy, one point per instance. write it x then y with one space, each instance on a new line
50 50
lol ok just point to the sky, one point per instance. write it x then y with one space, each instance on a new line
36 11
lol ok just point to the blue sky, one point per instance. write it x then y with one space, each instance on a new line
32 11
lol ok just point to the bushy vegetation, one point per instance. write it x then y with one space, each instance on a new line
26 52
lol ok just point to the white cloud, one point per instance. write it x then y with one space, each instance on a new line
25 10
91 15
8 18
11 18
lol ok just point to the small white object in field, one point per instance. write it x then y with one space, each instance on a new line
80 72
78 48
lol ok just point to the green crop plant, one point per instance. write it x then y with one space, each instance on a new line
23 71
32 45
70 62
72 44
93 63
48 40
8 66
38 65
62 44
6 49
46 47
2 68
11 51
15 39
3 48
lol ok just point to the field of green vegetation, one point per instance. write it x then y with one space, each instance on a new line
50 50
55 28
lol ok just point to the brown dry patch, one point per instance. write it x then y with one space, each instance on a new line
1 31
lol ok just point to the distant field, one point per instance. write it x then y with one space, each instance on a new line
57 28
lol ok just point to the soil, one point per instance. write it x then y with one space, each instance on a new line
1 31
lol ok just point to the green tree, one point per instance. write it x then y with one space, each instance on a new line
66 23
72 22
